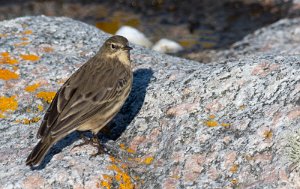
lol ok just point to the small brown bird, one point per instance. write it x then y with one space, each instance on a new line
89 99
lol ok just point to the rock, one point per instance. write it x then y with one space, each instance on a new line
167 46
281 37
185 125
134 36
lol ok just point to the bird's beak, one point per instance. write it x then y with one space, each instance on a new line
127 48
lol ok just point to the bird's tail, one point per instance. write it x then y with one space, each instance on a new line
39 152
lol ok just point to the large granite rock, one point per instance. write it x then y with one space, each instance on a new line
229 124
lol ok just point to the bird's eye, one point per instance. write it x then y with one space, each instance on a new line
113 46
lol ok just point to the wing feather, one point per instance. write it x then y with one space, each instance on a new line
76 102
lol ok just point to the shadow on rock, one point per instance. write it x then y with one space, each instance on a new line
131 108
133 104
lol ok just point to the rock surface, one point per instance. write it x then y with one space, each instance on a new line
185 124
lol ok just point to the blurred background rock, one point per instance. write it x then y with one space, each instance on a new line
201 27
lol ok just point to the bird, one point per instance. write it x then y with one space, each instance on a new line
89 99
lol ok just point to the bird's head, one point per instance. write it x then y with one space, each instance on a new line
116 47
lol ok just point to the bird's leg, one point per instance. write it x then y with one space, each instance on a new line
96 143
85 139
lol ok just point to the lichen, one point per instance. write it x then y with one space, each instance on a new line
234 168
24 43
46 96
27 121
27 32
30 57
211 123
293 148
6 59
7 104
7 74
148 160
32 88
121 177
268 134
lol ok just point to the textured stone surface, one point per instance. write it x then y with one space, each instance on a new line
185 124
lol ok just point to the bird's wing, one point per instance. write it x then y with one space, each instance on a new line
81 97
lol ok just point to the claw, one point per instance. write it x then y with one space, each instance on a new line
93 141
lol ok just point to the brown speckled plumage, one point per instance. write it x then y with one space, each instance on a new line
89 99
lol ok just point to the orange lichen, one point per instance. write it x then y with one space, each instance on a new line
234 168
32 88
24 39
234 181
7 75
211 123
30 57
268 134
28 121
27 32
24 43
225 124
46 96
122 146
7 104
47 49
212 117
40 107
129 150
148 160
6 59
105 184
120 176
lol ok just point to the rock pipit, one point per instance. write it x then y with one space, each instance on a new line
89 99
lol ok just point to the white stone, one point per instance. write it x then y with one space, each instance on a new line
167 46
134 36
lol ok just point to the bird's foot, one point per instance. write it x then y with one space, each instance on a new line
94 141
87 141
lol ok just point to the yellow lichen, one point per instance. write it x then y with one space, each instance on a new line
46 96
27 121
148 160
120 176
40 107
30 57
32 88
211 123
122 146
234 168
212 117
47 49
27 32
6 59
24 43
24 39
268 134
129 150
234 181
7 75
225 124
8 104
